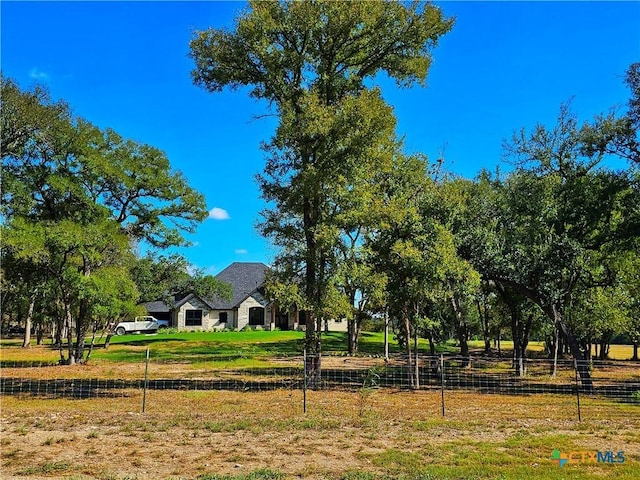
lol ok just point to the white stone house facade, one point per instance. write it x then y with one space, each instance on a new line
246 309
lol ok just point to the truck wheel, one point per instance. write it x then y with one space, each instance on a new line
120 331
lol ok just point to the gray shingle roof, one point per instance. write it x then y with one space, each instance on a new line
161 306
157 306
244 278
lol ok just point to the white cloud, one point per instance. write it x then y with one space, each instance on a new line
241 251
218 214
39 75
192 269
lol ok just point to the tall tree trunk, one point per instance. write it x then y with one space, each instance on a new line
386 335
521 339
356 340
515 335
93 342
520 329
462 331
576 352
5 321
417 369
351 347
556 349
26 342
432 345
407 332
68 325
40 332
82 320
483 313
82 328
353 328
59 325
517 358
605 342
313 327
312 346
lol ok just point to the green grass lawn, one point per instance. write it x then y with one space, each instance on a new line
206 346
198 347
262 343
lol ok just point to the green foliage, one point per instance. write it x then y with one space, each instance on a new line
287 293
553 228
311 60
413 246
75 200
617 135
164 277
282 46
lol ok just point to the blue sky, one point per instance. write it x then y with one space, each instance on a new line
124 65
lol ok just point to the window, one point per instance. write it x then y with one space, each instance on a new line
256 316
302 318
222 317
193 318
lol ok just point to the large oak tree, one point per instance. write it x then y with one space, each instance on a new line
314 62
76 199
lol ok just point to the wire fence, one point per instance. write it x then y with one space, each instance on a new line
597 387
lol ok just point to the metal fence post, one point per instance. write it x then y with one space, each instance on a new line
442 381
417 384
575 365
146 382
304 383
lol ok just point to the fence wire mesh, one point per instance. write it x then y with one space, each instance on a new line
595 388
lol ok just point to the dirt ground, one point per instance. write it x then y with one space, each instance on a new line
198 434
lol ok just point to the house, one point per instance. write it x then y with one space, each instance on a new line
248 306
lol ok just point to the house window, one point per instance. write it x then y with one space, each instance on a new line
193 318
302 318
222 317
256 316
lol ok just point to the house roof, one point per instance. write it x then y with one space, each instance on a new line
245 278
165 306
157 306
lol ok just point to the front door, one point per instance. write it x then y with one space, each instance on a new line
282 320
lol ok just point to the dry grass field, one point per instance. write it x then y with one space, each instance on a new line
366 434
361 434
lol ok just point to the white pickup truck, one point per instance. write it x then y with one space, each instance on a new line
147 324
